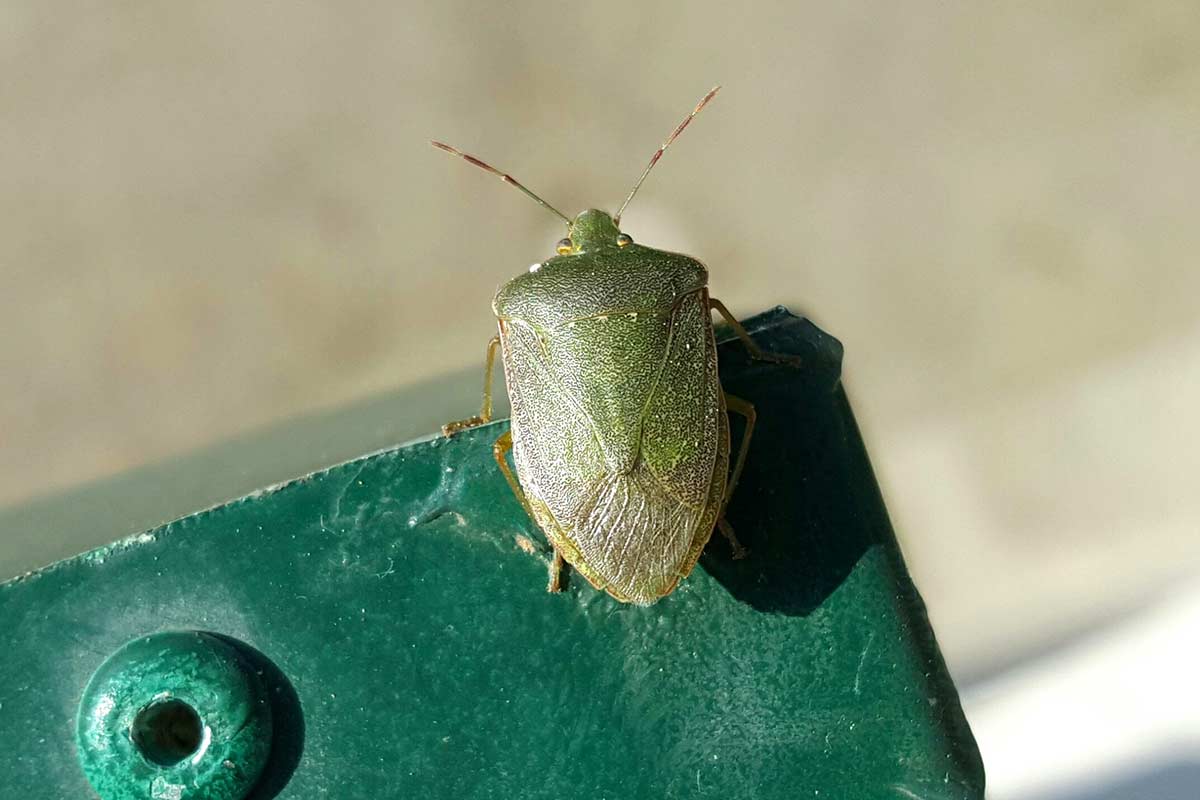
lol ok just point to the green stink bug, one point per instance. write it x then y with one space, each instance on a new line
619 429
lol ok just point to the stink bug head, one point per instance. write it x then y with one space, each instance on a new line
592 230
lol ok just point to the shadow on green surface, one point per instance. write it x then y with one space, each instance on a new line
807 506
287 739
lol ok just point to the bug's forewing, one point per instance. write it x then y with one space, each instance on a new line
609 365
684 424
621 442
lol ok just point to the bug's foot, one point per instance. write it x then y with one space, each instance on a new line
451 428
739 550
556 574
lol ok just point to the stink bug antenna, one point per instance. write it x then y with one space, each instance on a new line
504 176
654 159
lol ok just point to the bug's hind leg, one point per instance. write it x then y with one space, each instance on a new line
752 347
745 408
739 549
500 451
485 413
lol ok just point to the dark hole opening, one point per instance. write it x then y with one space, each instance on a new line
167 732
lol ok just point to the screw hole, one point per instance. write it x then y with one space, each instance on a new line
167 732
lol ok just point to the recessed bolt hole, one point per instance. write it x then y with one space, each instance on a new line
167 732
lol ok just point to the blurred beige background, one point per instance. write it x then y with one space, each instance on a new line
219 217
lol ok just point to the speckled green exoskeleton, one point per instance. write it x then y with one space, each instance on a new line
619 429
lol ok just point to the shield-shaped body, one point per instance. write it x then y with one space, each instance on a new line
619 431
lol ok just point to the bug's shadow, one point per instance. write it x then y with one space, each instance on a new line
807 506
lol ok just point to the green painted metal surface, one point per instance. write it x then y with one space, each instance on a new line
410 650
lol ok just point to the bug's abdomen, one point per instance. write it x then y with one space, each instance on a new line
621 442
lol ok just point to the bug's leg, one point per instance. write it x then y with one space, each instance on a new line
752 347
739 550
556 571
500 451
485 413
745 408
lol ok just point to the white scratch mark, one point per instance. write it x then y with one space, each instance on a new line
907 792
337 503
391 569
862 662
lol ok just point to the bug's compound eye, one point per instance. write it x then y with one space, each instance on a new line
564 247
624 240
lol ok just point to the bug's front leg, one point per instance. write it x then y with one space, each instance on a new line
752 347
485 413
500 452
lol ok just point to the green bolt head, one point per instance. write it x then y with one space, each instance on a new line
179 715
